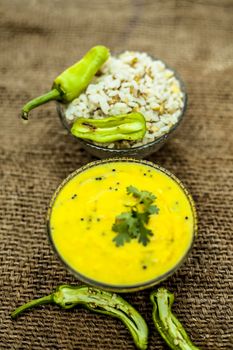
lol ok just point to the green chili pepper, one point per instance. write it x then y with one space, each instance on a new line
130 126
167 324
98 301
69 84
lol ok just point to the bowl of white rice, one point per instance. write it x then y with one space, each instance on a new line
130 82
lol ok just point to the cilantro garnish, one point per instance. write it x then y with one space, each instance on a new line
132 224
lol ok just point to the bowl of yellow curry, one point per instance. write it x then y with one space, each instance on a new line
122 224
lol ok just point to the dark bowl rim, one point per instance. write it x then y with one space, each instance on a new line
108 286
141 147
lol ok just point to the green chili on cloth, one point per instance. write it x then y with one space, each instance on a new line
69 84
167 324
98 301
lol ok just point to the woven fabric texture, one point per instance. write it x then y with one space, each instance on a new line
39 39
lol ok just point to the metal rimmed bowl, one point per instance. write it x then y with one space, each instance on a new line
138 152
130 287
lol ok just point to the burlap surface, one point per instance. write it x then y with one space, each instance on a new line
38 40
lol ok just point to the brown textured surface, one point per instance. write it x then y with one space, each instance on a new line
38 40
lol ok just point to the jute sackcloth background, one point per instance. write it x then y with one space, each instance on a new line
39 39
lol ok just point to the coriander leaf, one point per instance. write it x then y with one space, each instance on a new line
144 235
131 225
126 226
142 195
153 209
121 238
134 191
143 217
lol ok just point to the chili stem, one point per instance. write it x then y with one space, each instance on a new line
51 95
41 301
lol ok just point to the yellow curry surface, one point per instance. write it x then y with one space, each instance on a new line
86 207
